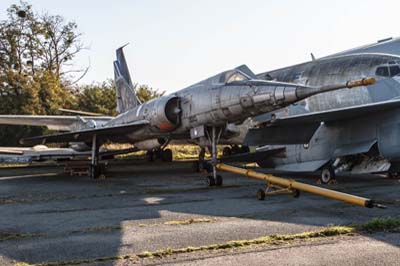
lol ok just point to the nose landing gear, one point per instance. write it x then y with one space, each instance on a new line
213 138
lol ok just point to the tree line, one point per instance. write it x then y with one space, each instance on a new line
37 73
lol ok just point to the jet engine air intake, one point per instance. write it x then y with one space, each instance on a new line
150 144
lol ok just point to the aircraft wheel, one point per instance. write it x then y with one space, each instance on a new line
235 149
218 180
166 155
150 156
327 175
226 151
210 181
261 194
296 193
244 149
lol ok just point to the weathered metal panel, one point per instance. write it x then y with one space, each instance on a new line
309 166
354 148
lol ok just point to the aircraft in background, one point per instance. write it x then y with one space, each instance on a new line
41 153
205 113
351 131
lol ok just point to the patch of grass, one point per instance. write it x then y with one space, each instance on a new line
274 239
375 225
4 236
181 222
381 224
190 221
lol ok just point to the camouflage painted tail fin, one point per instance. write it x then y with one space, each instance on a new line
125 92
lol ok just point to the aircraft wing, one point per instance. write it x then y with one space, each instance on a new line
87 134
8 151
298 129
52 122
338 114
20 154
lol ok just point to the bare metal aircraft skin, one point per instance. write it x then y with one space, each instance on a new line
352 131
203 112
229 97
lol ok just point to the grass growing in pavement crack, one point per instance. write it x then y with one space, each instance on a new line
4 236
182 222
375 225
190 221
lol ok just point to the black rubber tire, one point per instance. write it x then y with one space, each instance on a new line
219 181
166 155
327 175
261 194
210 181
227 151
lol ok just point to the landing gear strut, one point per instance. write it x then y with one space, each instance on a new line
94 165
214 137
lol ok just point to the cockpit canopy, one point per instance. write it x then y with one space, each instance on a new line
239 73
232 76
389 70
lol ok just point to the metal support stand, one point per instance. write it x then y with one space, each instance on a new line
291 185
273 189
94 165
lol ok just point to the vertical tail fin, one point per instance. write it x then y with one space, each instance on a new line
125 92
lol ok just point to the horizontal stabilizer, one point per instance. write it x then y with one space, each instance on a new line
78 112
52 122
104 133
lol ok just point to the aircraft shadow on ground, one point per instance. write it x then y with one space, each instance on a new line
71 217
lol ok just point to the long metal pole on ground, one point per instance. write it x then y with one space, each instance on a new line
291 184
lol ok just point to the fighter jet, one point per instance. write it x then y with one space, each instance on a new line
346 131
203 112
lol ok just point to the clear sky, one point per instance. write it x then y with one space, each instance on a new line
176 43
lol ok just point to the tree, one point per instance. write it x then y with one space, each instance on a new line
97 97
35 50
101 97
36 58
146 93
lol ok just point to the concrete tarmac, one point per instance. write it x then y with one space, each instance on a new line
49 217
